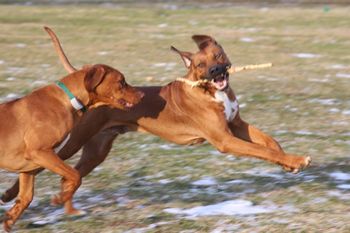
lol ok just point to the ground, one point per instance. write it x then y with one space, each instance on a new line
150 185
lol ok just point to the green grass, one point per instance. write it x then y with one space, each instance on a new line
284 101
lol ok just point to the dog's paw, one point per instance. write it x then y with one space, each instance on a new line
8 222
76 213
299 163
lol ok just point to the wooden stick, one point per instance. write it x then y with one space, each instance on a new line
230 70
248 67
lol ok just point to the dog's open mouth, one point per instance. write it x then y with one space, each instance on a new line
221 81
125 103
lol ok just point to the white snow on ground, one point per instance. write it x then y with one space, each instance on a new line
233 207
343 186
9 97
342 75
247 39
337 66
103 53
21 45
324 101
340 175
148 228
162 25
205 181
38 83
51 218
272 173
306 55
346 112
239 181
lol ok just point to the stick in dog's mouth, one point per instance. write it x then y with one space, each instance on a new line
236 69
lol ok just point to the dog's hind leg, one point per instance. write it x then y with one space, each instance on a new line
25 197
12 192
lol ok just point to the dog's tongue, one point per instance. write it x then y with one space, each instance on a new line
220 84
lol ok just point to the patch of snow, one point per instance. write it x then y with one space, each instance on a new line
263 173
11 79
306 55
50 219
233 207
342 75
13 69
246 39
165 181
148 228
123 201
166 147
45 65
242 105
334 110
346 112
340 175
162 25
10 96
337 66
205 181
304 132
324 101
323 80
103 53
343 186
239 182
39 83
21 45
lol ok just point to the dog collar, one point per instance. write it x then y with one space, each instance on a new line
74 101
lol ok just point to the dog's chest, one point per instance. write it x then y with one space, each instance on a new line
230 106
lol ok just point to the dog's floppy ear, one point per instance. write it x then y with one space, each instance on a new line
186 56
202 41
94 77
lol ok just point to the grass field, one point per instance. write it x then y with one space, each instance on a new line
149 185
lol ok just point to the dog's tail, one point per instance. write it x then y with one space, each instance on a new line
59 50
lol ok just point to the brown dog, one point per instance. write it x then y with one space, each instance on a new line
32 126
177 112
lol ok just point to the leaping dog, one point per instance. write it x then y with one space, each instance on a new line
178 113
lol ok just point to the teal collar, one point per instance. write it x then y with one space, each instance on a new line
74 101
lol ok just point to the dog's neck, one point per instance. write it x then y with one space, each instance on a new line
75 84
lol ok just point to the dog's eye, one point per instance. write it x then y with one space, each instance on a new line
200 65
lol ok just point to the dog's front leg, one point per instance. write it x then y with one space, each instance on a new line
220 136
249 133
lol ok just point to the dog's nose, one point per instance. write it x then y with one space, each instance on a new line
214 70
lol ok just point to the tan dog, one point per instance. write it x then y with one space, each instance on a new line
32 126
178 113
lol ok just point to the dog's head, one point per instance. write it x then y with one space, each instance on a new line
107 86
210 62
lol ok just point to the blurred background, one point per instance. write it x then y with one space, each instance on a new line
150 185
